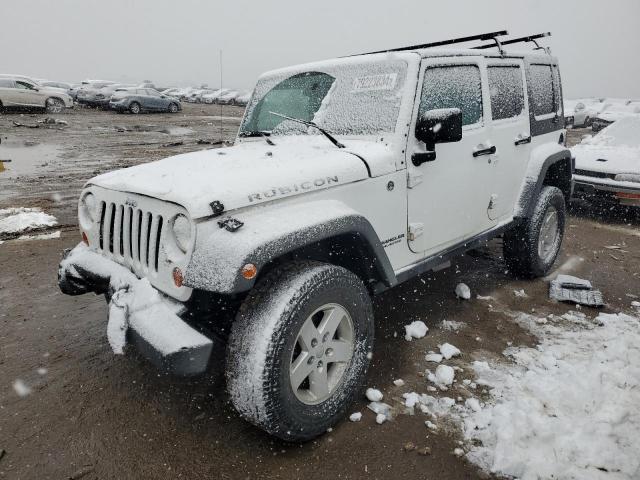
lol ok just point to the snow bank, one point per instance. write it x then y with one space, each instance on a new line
373 395
447 351
14 221
416 329
569 408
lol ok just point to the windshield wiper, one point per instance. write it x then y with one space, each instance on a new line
259 133
331 138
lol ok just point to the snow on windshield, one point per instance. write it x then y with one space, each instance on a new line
358 98
624 132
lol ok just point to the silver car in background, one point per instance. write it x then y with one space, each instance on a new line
137 100
18 92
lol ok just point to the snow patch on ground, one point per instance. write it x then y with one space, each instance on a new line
569 408
14 221
416 329
447 351
463 291
452 325
373 395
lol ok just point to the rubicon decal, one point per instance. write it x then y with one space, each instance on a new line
296 187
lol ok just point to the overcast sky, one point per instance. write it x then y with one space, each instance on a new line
178 42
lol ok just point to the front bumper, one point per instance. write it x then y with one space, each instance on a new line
607 190
138 313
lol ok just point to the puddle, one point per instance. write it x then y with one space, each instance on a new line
26 158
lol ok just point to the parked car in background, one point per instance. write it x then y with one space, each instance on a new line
228 98
89 88
608 164
243 99
137 100
615 112
63 85
196 95
212 97
101 97
18 92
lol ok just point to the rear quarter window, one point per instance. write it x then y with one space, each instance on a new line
506 91
542 89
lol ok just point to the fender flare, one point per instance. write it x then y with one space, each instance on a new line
535 178
271 232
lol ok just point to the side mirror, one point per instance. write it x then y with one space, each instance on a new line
439 126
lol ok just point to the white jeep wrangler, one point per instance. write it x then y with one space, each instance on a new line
347 177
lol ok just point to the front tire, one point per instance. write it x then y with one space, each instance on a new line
173 108
54 105
531 248
135 108
299 349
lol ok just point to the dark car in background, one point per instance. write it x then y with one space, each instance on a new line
137 100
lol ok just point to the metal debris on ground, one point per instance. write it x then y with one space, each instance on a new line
567 288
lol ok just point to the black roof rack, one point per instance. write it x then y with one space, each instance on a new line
529 38
482 37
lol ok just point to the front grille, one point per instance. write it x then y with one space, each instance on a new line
131 235
589 173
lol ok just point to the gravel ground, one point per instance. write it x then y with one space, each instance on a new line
93 415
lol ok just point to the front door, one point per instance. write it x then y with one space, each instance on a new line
448 196
509 131
27 94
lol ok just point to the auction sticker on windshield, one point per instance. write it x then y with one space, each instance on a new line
386 81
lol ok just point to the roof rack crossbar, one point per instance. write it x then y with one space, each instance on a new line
482 37
529 38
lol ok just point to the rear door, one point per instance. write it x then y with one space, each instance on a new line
510 132
448 197
7 92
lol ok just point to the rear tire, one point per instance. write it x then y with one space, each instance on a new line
135 108
299 349
531 248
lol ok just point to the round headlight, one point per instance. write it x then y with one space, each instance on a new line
88 210
182 232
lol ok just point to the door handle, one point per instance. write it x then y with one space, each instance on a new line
522 140
485 151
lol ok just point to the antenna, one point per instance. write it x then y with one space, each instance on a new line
220 109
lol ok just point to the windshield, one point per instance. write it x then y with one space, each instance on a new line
349 99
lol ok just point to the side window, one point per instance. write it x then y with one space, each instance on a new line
506 90
455 86
23 85
6 83
542 90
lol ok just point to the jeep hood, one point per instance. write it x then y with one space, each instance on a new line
249 173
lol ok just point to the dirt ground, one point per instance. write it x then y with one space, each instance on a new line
93 415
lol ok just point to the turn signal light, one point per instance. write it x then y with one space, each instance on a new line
249 271
178 278
85 239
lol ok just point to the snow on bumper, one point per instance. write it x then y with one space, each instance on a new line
137 312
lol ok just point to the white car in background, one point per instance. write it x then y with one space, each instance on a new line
614 112
228 98
212 97
17 92
608 164
243 99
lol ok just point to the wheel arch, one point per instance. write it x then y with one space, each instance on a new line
325 230
549 165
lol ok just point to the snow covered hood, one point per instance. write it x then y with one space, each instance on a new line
616 149
249 173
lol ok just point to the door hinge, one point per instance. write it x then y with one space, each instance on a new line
415 231
413 179
493 201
